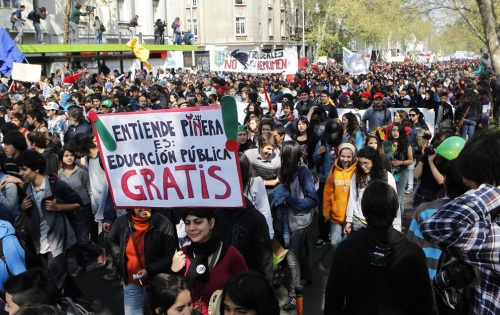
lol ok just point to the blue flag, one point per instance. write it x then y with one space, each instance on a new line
9 53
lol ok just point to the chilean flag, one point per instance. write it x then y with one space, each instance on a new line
331 61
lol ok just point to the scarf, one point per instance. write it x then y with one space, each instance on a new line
198 254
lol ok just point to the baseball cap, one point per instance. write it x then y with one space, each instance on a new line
107 103
366 94
407 98
343 98
109 86
52 106
17 97
378 95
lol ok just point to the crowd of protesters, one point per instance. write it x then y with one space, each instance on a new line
298 158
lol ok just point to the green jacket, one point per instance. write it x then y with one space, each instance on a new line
75 15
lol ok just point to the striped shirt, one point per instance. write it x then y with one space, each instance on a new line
464 228
432 252
266 168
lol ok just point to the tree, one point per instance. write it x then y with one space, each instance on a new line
479 16
380 23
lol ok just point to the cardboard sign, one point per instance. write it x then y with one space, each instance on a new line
169 158
26 72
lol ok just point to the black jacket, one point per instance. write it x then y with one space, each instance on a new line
447 112
159 244
356 286
247 230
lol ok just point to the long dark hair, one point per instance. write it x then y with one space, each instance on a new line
246 171
164 290
252 291
403 142
291 158
352 125
377 171
421 118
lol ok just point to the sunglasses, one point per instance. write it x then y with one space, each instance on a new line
413 115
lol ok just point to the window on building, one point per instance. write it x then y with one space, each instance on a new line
282 28
240 26
270 3
282 4
240 2
10 4
270 27
120 10
194 28
191 3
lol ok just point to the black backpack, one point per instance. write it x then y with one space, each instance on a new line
12 17
173 25
31 15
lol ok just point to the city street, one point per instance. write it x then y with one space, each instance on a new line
108 295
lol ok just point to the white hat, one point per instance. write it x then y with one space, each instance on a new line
52 106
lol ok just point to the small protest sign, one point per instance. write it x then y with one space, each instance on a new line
26 72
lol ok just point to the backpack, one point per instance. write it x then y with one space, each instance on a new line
29 257
31 15
12 17
173 25
102 28
70 307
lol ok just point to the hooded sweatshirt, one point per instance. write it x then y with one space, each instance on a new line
396 284
12 251
336 193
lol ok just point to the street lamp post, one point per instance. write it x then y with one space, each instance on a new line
303 30
193 61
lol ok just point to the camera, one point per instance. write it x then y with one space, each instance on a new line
454 274
90 9
430 150
378 256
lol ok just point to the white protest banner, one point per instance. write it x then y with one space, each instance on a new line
356 63
175 59
26 72
280 61
169 158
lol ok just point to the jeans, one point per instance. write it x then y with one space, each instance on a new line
467 128
74 33
7 4
20 35
335 234
292 258
400 185
98 37
132 32
178 38
410 173
38 33
133 299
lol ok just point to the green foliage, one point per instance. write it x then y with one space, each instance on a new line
382 22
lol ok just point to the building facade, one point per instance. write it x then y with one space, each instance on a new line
239 23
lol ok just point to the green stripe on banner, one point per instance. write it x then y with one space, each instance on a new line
230 117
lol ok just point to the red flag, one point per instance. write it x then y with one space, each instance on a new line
316 68
267 96
303 62
71 79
